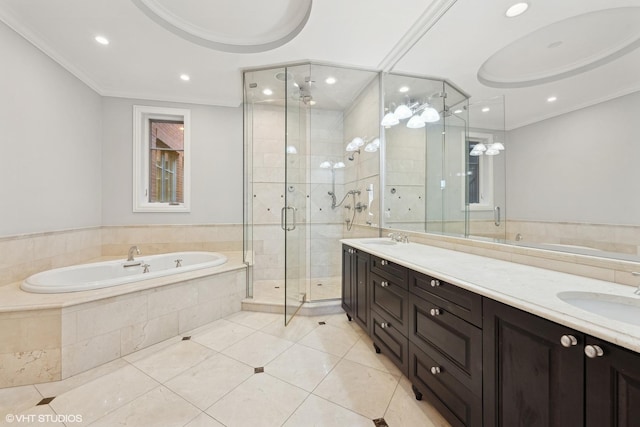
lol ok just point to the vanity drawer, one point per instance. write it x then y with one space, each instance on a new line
390 270
392 300
454 401
389 340
464 304
455 344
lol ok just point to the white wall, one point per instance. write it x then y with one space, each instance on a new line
50 143
216 165
581 166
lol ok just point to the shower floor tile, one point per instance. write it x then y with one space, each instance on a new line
313 375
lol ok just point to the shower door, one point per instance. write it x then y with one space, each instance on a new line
294 211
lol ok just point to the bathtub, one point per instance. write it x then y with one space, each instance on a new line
113 273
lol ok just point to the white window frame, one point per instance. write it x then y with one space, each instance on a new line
141 116
485 172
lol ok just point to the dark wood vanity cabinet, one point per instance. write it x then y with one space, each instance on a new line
355 285
485 363
612 385
389 301
445 351
530 378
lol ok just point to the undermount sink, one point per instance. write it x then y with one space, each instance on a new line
614 307
378 242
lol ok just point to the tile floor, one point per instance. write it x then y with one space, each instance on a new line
314 375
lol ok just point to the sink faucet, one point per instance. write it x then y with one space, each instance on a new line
399 237
132 249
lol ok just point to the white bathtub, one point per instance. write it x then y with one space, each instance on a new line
113 273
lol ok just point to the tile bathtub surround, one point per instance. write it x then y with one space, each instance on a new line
208 386
27 254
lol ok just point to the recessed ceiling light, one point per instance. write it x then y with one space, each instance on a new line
404 89
267 92
552 99
517 9
457 112
486 109
185 77
102 40
330 80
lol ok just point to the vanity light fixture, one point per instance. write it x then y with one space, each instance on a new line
102 40
429 114
355 144
372 146
389 120
339 165
517 9
416 122
403 112
185 77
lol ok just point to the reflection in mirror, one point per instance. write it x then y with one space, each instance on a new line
567 179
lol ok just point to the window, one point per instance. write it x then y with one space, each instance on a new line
161 159
479 182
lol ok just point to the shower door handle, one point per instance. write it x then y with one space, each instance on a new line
283 218
496 216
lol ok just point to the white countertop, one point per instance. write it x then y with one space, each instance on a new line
530 289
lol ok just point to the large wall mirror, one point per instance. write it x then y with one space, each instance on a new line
559 88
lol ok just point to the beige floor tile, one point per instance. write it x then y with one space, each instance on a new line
294 331
257 349
318 412
405 410
255 319
96 398
14 400
207 382
159 407
262 400
364 353
341 321
346 383
56 388
204 420
330 339
302 366
173 360
38 416
222 334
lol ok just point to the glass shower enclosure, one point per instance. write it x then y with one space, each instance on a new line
298 120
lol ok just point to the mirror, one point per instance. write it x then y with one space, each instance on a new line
561 84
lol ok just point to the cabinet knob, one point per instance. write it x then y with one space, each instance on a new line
384 325
435 312
435 283
568 340
384 284
384 262
593 351
435 370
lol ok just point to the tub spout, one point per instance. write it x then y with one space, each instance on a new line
132 249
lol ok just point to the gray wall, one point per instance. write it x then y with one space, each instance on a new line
50 127
216 165
581 166
67 152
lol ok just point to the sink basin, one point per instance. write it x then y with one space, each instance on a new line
378 242
614 307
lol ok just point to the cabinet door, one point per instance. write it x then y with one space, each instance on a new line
530 379
361 288
348 274
613 387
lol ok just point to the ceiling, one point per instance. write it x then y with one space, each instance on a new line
575 50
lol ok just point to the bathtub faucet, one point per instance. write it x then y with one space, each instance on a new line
132 249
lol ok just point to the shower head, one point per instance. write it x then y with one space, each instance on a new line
353 154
